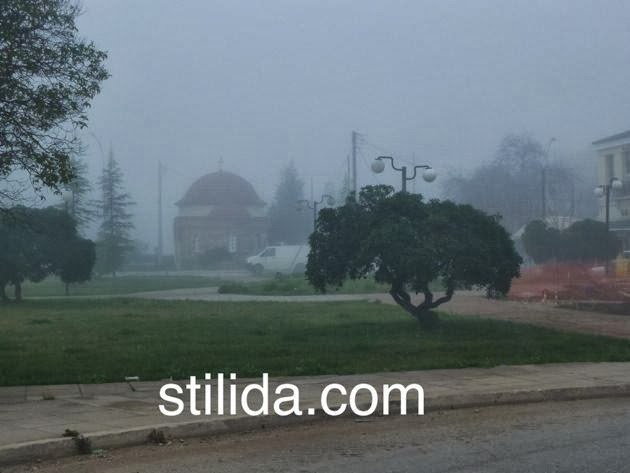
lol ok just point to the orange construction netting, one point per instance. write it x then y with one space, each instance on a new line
569 281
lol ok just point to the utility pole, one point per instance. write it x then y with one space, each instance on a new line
159 239
348 170
347 181
355 136
544 179
413 158
604 191
304 204
544 193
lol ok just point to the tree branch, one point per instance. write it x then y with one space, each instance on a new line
450 290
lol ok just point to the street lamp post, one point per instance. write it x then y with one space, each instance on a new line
604 190
314 206
429 174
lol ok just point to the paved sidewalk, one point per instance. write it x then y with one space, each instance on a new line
124 413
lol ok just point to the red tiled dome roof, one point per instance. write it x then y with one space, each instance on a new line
221 188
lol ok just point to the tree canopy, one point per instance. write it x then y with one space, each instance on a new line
77 262
582 242
37 242
407 243
48 76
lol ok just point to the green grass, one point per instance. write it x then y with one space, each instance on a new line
52 286
298 285
103 340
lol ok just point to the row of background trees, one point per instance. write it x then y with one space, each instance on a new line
49 76
38 242
114 245
511 184
111 210
533 194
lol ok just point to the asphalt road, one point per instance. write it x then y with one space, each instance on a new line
579 436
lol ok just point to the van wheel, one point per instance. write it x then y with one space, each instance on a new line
258 269
299 268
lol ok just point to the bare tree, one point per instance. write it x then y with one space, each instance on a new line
520 184
76 201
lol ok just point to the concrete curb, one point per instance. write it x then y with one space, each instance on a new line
63 447
461 401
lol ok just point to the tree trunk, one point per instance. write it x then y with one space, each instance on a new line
18 291
67 289
421 312
427 319
3 293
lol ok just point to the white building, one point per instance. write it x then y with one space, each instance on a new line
613 162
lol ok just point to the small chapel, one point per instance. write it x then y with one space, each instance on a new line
220 210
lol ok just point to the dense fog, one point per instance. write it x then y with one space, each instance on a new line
260 84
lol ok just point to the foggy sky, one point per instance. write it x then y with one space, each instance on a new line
260 83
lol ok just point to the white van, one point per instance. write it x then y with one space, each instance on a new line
283 259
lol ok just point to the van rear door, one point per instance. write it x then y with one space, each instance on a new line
268 258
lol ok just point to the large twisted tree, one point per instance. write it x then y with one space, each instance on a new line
48 76
408 244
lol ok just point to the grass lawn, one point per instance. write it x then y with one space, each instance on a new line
298 285
111 286
102 340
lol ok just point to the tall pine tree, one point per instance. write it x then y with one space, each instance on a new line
289 224
114 241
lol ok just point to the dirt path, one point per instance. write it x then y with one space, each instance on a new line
545 315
